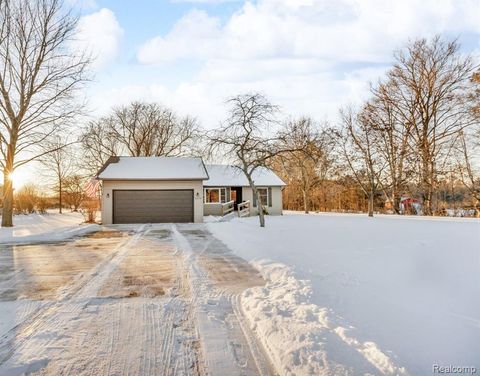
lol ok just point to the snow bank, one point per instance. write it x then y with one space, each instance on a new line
297 334
385 294
45 227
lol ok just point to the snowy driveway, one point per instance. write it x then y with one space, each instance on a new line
146 300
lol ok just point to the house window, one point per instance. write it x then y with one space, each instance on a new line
215 195
263 195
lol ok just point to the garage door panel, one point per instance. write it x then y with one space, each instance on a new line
152 206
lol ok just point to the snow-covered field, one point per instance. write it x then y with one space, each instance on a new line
348 294
44 227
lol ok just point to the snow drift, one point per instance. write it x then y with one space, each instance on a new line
297 334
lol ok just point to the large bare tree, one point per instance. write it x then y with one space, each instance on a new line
139 129
433 80
394 136
359 145
249 138
39 77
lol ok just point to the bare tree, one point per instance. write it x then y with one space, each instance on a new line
139 129
58 164
148 129
394 135
359 146
98 144
432 80
309 160
39 77
74 187
249 138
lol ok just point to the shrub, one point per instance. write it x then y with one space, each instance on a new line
25 199
89 209
42 204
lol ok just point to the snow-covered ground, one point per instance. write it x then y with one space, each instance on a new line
44 227
348 294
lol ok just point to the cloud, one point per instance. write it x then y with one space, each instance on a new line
297 87
99 34
346 30
308 56
178 43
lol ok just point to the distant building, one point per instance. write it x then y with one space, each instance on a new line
409 205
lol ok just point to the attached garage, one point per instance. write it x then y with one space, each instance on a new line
152 206
152 190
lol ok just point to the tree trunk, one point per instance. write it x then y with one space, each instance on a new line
396 204
370 204
427 182
261 215
60 195
7 212
305 201
427 202
476 207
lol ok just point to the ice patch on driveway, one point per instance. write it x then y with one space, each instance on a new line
299 335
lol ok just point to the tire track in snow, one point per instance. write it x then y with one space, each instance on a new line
55 315
226 347
116 323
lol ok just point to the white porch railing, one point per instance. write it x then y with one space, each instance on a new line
244 209
227 207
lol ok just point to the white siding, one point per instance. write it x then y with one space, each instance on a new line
275 209
110 185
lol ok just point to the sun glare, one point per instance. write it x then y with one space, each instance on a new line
17 178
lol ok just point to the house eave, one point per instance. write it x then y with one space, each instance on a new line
246 185
152 179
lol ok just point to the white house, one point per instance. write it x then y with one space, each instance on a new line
228 182
177 189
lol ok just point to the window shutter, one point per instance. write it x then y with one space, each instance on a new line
269 196
254 200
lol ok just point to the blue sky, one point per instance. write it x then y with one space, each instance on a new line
308 56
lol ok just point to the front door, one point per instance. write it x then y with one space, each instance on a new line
236 196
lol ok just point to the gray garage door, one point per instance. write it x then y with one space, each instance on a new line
142 206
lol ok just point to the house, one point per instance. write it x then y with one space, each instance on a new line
177 189
228 183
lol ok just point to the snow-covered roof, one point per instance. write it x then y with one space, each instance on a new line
153 168
232 176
